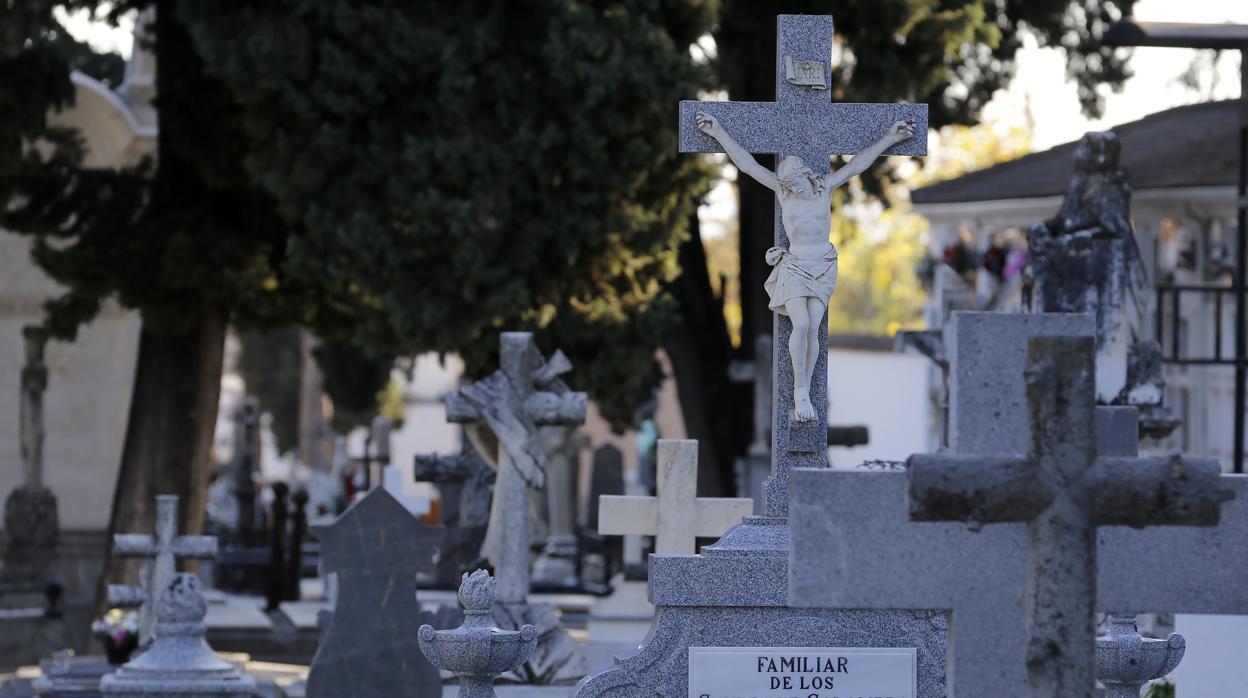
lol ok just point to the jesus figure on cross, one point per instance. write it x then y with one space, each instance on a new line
804 275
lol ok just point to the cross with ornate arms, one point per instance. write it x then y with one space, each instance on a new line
804 128
513 402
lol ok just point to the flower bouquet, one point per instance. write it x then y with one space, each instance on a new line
118 631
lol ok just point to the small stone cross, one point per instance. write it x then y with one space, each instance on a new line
1063 490
163 548
803 122
676 517
513 402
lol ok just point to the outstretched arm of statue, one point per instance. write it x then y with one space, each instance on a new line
743 160
898 132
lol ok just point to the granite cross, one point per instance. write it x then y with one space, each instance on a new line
1063 490
376 547
163 548
513 402
676 517
802 122
854 545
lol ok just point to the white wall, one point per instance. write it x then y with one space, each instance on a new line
885 391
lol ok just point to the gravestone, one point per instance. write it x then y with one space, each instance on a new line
465 482
734 594
502 414
161 550
557 565
30 518
676 517
1085 260
179 661
855 545
376 548
1063 489
606 478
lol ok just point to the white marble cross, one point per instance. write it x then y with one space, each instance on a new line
163 548
803 122
677 517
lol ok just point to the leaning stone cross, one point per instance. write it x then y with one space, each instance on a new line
802 122
1063 491
163 548
513 402
676 517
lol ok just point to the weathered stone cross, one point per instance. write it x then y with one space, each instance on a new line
854 545
1063 491
804 122
163 549
513 402
676 517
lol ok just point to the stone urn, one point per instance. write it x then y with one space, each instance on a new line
1125 661
477 652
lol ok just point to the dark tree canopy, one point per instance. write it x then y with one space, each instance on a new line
474 167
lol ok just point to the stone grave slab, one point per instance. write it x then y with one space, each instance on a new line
376 547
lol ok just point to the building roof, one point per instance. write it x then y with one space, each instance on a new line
1188 146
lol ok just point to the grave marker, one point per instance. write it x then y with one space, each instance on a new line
163 550
676 517
376 547
855 545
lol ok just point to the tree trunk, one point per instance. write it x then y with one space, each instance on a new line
717 412
169 434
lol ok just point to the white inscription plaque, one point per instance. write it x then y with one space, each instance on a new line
803 672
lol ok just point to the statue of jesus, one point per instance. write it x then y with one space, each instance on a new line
803 276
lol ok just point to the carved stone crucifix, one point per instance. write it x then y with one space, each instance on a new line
513 402
1063 490
805 129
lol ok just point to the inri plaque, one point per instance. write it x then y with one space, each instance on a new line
803 672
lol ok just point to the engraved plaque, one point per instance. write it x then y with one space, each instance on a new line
805 73
805 672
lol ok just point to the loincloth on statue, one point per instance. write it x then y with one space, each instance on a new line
798 277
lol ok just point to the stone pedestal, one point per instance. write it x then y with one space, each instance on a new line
734 594
179 662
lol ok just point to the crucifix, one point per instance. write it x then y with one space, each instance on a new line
163 548
1064 488
513 402
804 129
676 517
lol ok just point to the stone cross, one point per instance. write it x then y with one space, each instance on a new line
376 548
854 545
802 122
163 549
34 382
676 517
513 402
1063 489
30 516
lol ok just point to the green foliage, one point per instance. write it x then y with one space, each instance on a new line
270 363
358 383
1160 690
472 167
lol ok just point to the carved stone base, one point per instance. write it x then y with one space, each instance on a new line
735 595
660 667
558 657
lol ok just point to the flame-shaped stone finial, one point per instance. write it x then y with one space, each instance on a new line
476 591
